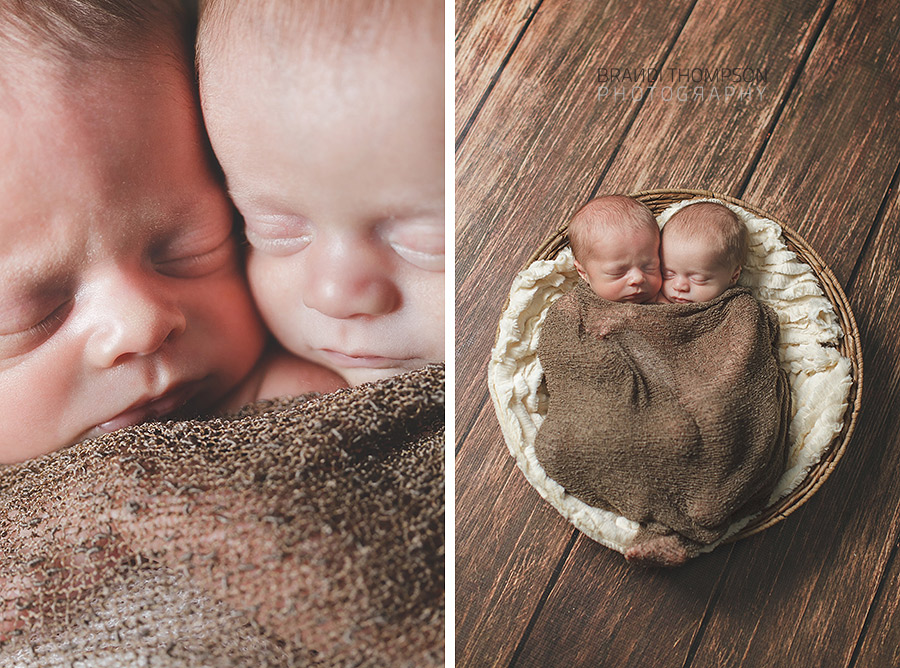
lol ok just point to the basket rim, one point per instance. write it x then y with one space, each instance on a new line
849 346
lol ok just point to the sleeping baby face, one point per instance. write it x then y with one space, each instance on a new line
337 169
622 265
692 271
121 295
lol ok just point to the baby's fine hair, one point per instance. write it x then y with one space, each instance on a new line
715 225
609 212
325 27
71 32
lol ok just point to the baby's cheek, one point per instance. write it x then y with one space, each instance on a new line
270 282
277 284
431 298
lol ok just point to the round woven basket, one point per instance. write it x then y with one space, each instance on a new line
849 345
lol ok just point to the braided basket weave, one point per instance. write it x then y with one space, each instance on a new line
849 346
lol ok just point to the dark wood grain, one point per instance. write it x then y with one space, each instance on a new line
709 142
503 559
877 287
841 128
882 642
601 613
485 35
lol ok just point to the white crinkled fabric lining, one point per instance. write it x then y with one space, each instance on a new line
820 376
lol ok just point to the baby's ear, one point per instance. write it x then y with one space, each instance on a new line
736 275
581 272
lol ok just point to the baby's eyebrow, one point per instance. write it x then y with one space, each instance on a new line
12 305
19 299
414 208
22 290
253 196
19 273
422 217
27 271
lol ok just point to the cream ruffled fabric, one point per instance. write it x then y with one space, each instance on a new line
820 376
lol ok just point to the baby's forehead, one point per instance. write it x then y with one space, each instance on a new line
609 241
623 227
703 218
686 237
289 76
693 248
291 35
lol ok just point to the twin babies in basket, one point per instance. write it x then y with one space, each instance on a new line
667 402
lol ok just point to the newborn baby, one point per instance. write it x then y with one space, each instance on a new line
703 248
672 415
615 241
328 121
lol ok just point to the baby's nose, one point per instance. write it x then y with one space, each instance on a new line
349 284
132 317
636 277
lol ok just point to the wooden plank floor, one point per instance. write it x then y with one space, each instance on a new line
816 145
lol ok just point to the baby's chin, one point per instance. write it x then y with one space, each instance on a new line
358 376
364 369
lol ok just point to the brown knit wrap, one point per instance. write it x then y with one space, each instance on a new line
675 416
305 532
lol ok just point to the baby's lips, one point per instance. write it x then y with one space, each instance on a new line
362 360
163 405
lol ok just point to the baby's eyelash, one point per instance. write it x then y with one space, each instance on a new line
51 323
278 245
421 244
24 341
200 264
423 260
400 247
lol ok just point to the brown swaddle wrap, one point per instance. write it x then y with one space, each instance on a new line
297 533
672 415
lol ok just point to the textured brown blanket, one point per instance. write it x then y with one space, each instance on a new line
674 416
305 532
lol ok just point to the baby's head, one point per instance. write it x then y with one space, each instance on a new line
704 246
327 119
121 294
615 241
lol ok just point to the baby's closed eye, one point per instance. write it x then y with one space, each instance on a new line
193 244
278 235
196 263
22 334
419 242
615 270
